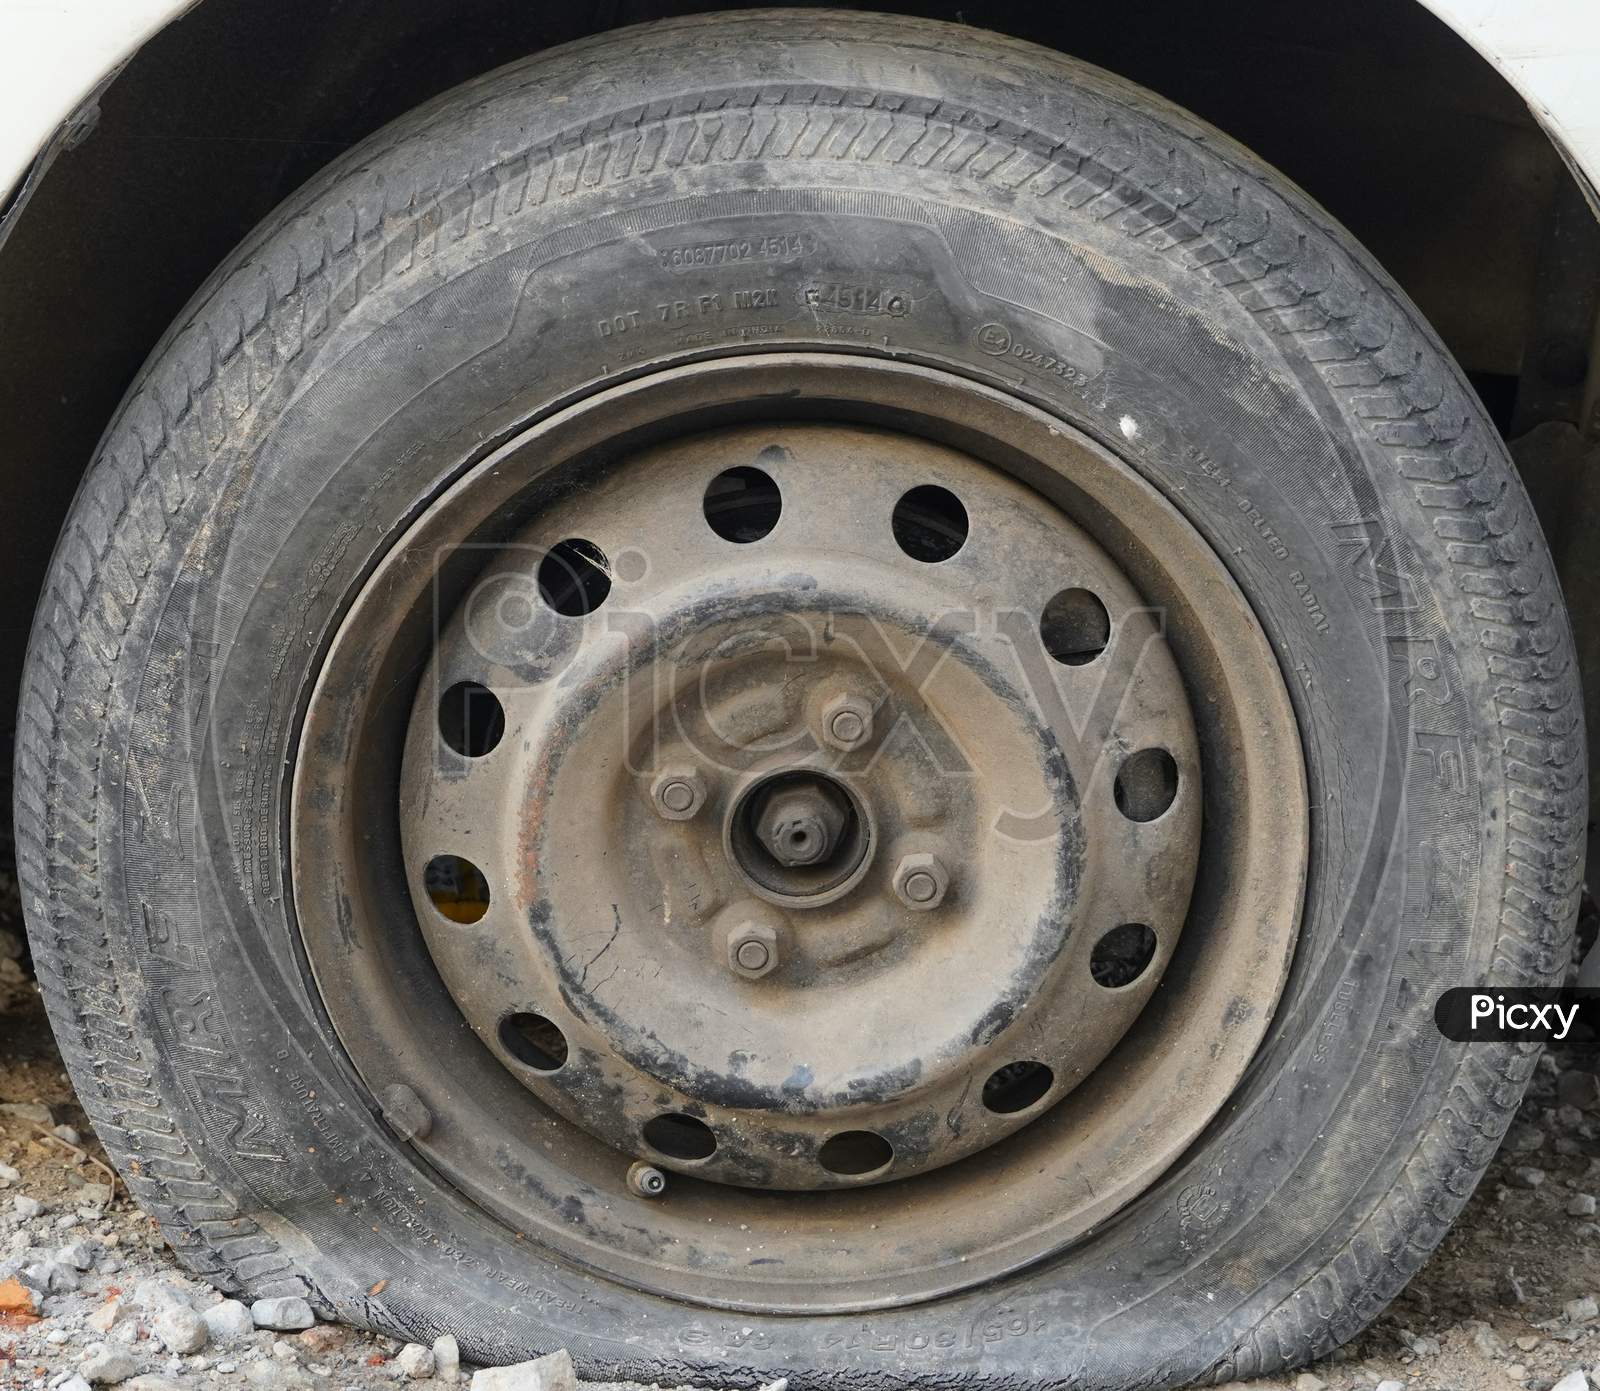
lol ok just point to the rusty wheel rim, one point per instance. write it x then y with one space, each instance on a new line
844 858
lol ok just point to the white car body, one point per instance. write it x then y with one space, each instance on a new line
55 53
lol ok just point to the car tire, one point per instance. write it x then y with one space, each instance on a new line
963 213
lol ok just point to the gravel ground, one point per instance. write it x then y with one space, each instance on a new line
89 1294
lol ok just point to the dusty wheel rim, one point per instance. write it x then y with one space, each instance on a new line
699 998
568 618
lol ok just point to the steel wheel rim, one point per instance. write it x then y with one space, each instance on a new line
1251 878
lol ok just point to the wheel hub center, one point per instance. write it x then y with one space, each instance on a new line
803 823
798 834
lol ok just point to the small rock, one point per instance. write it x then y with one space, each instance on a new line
1423 1347
1581 1310
73 1383
109 1315
552 1372
272 1374
1579 1088
228 1321
164 1292
324 1339
67 1133
1485 1342
1525 1176
1391 1386
80 1255
1573 1381
415 1361
9 1175
1516 1371
1307 1382
1528 1342
107 1367
1581 1205
51 1277
285 1313
1523 1139
96 1195
27 1111
26 1207
17 1298
447 1358
180 1330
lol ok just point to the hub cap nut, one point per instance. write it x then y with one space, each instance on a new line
847 722
679 793
921 881
752 950
801 825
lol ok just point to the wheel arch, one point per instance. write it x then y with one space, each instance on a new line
1413 138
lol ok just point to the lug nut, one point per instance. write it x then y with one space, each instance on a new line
921 881
752 949
847 722
646 1180
679 793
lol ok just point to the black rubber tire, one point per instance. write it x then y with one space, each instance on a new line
904 187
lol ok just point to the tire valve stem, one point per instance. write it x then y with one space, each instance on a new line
646 1180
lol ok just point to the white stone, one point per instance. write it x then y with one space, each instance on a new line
270 1374
109 1315
1573 1381
160 1293
552 1372
286 1313
1581 1310
26 1207
80 1255
447 1358
50 1277
180 1330
415 1361
228 1321
107 1367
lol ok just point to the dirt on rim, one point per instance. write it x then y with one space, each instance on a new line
1507 1302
